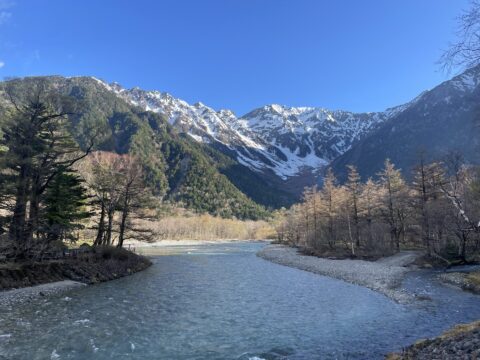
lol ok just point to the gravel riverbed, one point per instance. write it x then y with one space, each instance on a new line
384 276
22 295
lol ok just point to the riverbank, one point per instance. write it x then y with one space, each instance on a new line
172 247
383 276
463 280
22 295
460 342
96 265
164 243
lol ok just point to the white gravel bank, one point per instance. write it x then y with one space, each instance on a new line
22 295
384 276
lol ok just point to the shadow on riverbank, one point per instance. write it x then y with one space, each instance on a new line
460 342
97 265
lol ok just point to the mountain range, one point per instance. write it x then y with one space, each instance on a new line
270 154
292 146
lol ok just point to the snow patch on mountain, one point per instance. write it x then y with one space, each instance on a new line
277 138
283 140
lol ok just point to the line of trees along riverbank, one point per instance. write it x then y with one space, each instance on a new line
439 211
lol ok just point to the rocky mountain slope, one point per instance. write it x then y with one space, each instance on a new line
274 139
442 120
291 146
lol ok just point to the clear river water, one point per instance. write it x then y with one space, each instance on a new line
223 302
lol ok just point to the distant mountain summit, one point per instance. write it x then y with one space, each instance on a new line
283 141
290 146
177 168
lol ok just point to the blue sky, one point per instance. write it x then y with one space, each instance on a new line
238 54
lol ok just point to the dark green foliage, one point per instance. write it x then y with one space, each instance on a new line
205 189
65 206
37 148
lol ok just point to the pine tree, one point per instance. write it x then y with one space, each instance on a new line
370 200
427 179
37 147
65 207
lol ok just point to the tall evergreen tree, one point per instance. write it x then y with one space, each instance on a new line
37 147
65 207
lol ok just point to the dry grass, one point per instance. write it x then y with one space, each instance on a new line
474 278
457 331
460 329
189 226
207 227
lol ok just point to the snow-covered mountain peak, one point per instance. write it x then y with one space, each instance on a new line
286 141
225 113
199 105
274 138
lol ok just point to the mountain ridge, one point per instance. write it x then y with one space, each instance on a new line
445 119
276 141
304 137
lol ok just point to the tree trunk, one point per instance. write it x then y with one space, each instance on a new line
17 225
32 224
370 231
101 226
123 224
108 239
356 223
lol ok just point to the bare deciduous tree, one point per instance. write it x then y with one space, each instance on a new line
435 212
465 51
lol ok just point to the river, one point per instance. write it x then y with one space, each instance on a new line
222 302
